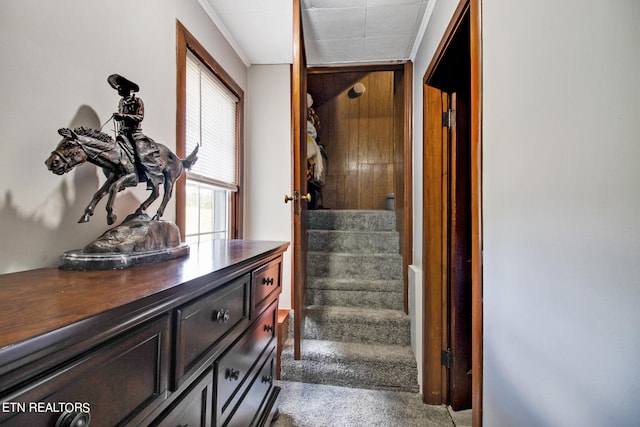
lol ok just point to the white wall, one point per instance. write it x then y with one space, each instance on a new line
561 213
267 169
561 209
56 59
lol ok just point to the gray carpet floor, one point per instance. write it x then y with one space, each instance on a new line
314 405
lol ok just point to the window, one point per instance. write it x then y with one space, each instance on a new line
209 115
207 212
210 118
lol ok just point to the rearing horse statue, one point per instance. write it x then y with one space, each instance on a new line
118 164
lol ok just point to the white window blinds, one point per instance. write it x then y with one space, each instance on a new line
211 122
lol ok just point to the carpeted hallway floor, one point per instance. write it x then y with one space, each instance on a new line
315 405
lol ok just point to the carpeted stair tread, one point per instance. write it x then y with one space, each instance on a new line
338 351
372 220
330 283
356 298
371 366
353 241
352 292
318 405
357 324
350 265
355 314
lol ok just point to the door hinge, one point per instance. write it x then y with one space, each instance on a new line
448 118
446 358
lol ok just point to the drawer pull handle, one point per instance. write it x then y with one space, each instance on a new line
267 281
267 379
74 419
231 374
268 328
222 316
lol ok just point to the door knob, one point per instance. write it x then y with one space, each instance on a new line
296 195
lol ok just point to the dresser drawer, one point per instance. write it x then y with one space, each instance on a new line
248 411
115 384
266 281
193 408
205 321
234 367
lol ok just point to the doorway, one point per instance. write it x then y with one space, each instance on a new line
402 158
365 129
452 282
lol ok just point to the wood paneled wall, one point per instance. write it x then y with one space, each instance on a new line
358 134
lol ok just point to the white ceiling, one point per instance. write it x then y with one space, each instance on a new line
261 31
336 31
360 31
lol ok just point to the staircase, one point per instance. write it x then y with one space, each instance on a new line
356 333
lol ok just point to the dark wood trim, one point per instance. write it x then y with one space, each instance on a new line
236 197
181 125
283 336
408 179
201 52
185 40
399 66
476 210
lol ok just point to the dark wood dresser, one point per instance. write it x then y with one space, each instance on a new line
187 342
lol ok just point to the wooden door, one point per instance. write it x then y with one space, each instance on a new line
434 239
447 249
459 286
299 149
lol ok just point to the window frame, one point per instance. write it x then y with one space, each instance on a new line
185 41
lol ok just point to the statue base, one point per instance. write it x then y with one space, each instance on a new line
138 240
80 260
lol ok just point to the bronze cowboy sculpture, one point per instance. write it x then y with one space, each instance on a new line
127 160
128 122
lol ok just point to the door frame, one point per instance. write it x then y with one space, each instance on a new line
433 329
476 207
299 184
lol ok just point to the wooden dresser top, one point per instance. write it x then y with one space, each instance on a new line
38 302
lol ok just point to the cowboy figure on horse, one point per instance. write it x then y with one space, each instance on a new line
143 149
126 161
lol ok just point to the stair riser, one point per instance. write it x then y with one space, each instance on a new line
353 374
373 267
354 285
390 333
353 242
351 220
346 298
